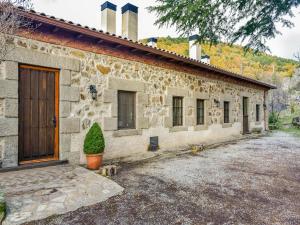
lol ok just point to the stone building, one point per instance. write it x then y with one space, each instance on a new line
61 77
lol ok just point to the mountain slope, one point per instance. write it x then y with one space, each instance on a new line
234 59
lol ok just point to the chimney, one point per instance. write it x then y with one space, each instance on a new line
152 42
205 59
130 21
108 17
195 48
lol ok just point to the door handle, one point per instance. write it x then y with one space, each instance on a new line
54 121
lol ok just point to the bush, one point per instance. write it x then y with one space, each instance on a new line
2 207
274 122
94 141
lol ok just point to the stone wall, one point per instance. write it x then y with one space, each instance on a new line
155 87
1 116
69 94
8 114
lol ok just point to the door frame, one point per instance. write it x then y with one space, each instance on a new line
56 131
245 100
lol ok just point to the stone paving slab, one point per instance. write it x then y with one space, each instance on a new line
39 193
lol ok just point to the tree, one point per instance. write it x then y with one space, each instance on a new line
297 56
279 98
10 22
252 22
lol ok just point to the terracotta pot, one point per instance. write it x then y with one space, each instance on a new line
94 161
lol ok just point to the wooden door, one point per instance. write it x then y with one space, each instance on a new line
245 116
38 114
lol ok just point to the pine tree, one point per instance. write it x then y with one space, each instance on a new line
252 22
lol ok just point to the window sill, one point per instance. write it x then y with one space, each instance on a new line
178 129
257 123
226 125
200 127
124 133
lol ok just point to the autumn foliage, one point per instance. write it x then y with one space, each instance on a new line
233 58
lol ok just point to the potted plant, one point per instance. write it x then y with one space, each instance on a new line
94 146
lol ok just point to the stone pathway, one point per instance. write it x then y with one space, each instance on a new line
39 193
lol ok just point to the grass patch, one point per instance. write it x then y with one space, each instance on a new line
286 117
284 121
292 130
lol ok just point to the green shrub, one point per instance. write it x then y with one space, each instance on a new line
274 122
2 207
94 141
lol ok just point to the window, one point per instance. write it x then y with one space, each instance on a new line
126 110
200 112
226 112
177 111
257 113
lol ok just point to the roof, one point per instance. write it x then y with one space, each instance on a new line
119 40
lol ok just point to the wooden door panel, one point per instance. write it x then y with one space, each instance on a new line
245 116
50 112
34 122
27 142
34 147
42 79
42 142
25 81
38 99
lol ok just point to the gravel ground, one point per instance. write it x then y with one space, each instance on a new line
250 182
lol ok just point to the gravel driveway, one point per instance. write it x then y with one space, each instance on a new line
250 182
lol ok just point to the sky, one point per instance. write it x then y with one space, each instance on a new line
87 12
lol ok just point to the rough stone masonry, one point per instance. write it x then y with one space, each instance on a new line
154 83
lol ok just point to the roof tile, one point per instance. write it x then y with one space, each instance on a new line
207 66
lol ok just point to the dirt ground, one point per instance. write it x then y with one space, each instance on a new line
250 182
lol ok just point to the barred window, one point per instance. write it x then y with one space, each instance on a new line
257 113
126 110
226 112
200 111
177 111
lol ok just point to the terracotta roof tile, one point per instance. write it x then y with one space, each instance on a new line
199 63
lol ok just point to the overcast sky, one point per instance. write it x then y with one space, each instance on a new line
87 12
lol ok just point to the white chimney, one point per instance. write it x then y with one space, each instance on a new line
108 17
152 42
194 48
205 59
130 21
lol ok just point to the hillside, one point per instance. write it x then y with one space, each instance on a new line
234 59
